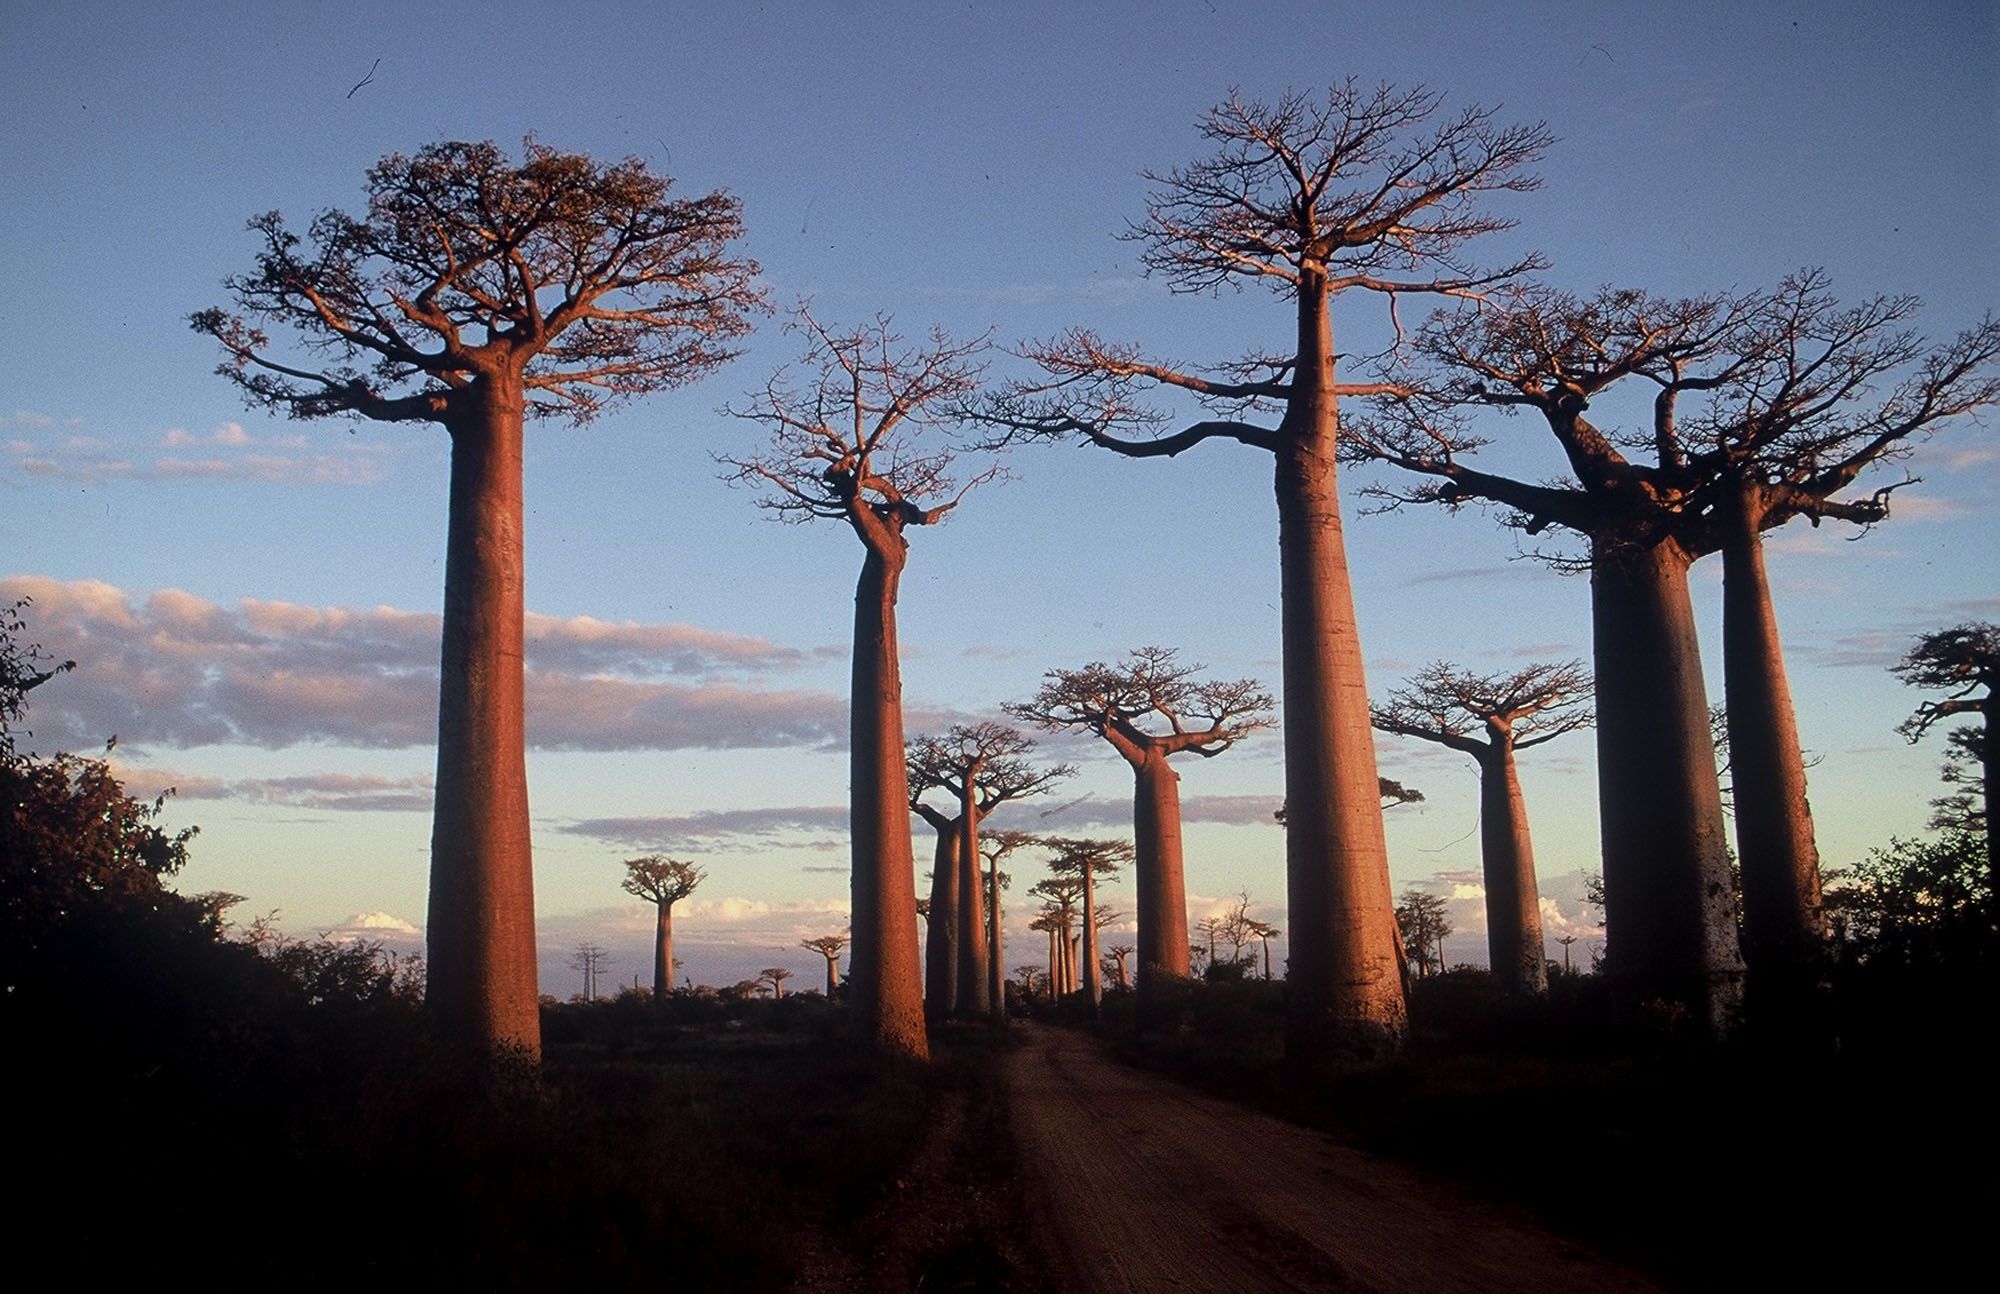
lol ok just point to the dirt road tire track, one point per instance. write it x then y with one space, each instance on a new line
1142 1185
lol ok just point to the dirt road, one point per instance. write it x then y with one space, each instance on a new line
1144 1185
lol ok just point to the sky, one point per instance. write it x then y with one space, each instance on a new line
253 602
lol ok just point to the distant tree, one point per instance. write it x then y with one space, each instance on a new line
1566 941
1062 901
775 977
1264 932
995 846
588 959
477 292
663 882
1421 917
849 439
1237 926
1489 717
1964 662
981 766
1359 191
1026 974
1119 952
1150 708
1086 859
828 946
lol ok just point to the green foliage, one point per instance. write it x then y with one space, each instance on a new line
1915 903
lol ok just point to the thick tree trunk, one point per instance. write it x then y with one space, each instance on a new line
663 951
996 978
1163 930
941 933
973 1000
832 976
1784 922
885 978
1343 996
481 928
1093 973
1513 903
1055 970
1670 926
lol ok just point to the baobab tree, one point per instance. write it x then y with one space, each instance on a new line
663 882
475 293
852 440
1264 932
1787 424
1671 924
1490 717
1062 899
996 846
1421 917
1084 859
1119 953
775 977
828 946
1151 707
1829 392
981 766
1375 192
1963 661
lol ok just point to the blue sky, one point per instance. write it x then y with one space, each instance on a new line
250 598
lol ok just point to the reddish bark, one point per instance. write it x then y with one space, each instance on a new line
1784 922
1670 928
886 987
481 925
1507 864
941 933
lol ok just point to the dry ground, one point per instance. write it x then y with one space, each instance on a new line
1136 1183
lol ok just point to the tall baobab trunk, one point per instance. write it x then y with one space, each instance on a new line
973 999
1507 859
1343 995
1055 970
832 975
663 951
1163 929
1784 922
1093 974
884 974
996 981
481 925
1670 926
941 934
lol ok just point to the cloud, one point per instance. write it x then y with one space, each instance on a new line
713 829
230 454
351 792
1478 574
377 926
1228 810
176 670
28 419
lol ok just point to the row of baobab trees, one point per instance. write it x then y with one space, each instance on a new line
1150 708
475 292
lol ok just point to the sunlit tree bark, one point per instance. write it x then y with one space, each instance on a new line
848 445
1370 191
1150 708
662 882
1490 717
477 292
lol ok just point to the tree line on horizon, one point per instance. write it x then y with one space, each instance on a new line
476 292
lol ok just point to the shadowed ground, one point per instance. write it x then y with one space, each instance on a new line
1140 1184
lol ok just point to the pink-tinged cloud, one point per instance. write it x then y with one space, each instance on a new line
1092 811
176 670
351 792
713 829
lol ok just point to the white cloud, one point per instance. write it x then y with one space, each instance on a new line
177 670
233 454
